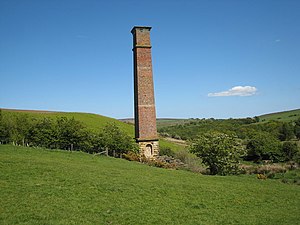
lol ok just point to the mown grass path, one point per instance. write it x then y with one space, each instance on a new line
59 187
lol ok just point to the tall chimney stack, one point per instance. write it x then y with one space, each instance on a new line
144 104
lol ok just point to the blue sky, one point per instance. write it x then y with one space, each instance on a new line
218 58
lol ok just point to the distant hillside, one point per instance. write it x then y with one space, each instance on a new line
281 116
92 121
284 116
161 122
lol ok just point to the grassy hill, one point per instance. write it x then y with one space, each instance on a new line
284 116
92 121
165 122
281 116
58 187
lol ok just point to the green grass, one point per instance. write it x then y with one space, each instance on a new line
58 187
285 116
168 144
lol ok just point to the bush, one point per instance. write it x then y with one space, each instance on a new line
289 150
116 141
220 152
131 156
286 132
263 146
191 162
166 151
297 128
269 170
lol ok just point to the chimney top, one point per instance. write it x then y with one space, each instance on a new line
140 27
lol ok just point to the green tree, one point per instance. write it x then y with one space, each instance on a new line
289 150
116 141
70 133
263 146
220 152
256 118
4 132
286 132
18 127
43 134
297 128
24 124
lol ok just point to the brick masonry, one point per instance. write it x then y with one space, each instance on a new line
144 103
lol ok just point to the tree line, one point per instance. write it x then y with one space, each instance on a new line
63 133
275 141
283 131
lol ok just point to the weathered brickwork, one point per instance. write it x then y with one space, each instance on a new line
144 104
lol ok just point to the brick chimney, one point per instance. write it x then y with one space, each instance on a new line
144 104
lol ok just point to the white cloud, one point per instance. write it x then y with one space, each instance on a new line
235 91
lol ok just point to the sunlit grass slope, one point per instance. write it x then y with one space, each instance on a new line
58 187
92 121
281 116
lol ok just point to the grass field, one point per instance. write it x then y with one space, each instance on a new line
58 187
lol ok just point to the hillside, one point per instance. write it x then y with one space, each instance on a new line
92 121
285 116
161 122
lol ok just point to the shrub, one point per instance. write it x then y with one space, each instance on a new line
183 156
170 162
116 141
286 132
166 151
191 162
297 128
270 168
263 146
131 156
220 152
289 150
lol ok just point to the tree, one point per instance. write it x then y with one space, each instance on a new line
220 152
70 133
116 141
263 146
43 134
286 132
297 128
289 150
256 118
17 127
4 132
24 124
